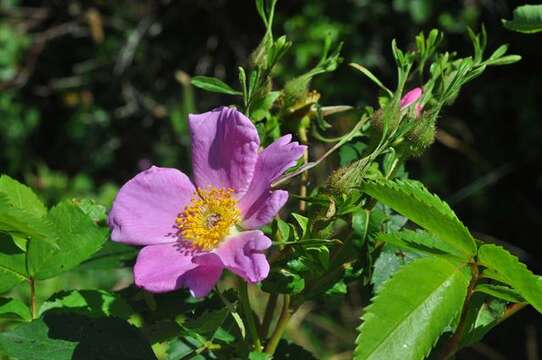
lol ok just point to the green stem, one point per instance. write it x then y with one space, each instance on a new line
33 305
249 316
268 316
281 326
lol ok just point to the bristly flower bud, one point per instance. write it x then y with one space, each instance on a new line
420 136
345 179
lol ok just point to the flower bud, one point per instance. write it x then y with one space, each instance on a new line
420 136
344 179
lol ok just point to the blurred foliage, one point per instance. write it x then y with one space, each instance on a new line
91 92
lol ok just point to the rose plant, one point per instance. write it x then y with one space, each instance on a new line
253 207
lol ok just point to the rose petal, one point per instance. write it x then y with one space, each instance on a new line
160 268
264 209
224 149
243 255
202 279
259 202
146 207
410 97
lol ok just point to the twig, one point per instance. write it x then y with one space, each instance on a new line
33 305
281 326
268 316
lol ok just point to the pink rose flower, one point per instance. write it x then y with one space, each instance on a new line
191 232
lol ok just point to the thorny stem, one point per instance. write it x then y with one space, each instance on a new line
453 344
268 316
33 306
281 326
249 316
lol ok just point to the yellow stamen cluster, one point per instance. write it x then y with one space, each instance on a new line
209 217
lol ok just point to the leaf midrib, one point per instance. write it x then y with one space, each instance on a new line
396 325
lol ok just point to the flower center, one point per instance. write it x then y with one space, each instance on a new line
209 217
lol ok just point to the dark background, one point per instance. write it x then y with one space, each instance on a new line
94 91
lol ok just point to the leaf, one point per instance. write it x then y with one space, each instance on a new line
12 264
74 336
92 303
303 223
405 321
21 196
500 292
95 211
209 322
414 201
483 315
419 241
283 282
513 273
78 239
526 19
389 261
213 85
20 222
371 76
263 105
111 256
10 307
183 347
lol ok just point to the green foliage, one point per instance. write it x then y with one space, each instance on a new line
418 241
65 336
92 303
405 321
213 85
78 238
12 264
390 260
21 196
526 19
14 307
500 292
513 273
483 315
411 199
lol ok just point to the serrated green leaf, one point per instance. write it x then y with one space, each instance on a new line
78 239
413 200
19 222
390 260
12 264
418 241
72 336
513 273
405 321
500 292
10 307
92 303
21 196
213 85
526 19
95 211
